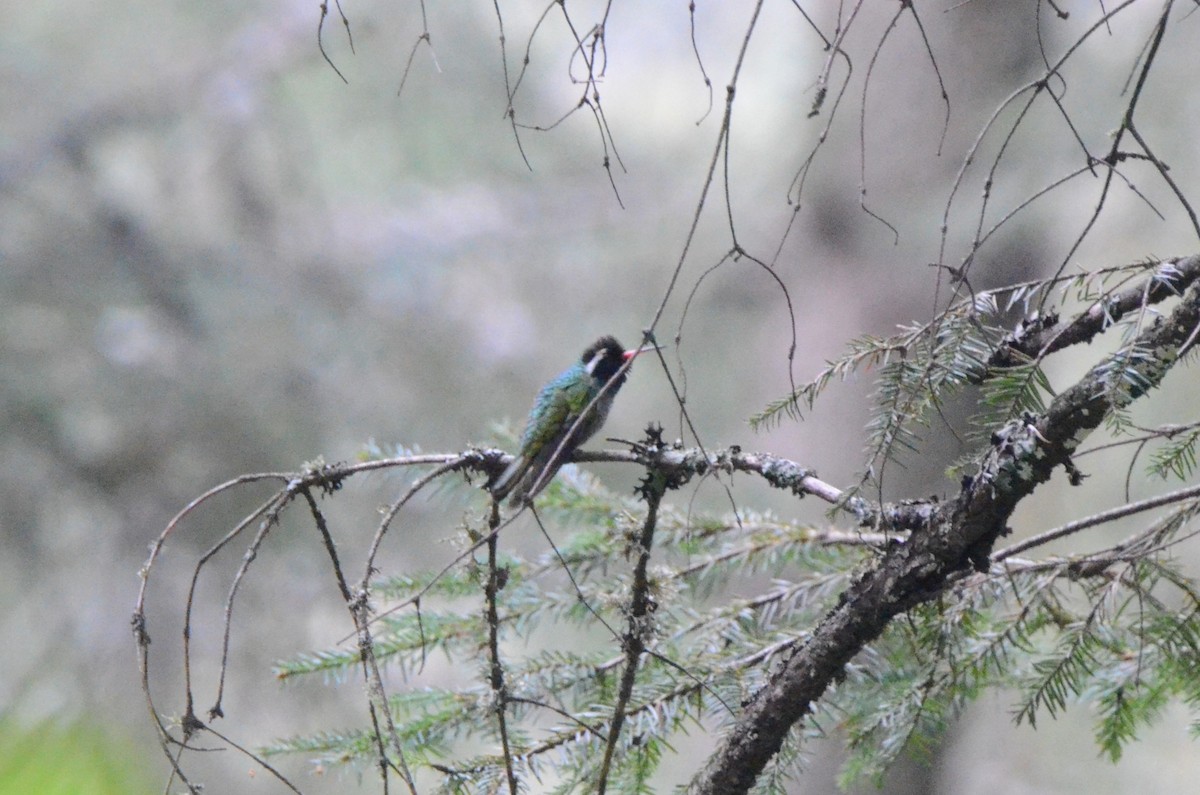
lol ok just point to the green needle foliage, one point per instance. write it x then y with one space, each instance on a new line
706 655
650 627
1051 635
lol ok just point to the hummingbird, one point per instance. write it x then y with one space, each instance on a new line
555 413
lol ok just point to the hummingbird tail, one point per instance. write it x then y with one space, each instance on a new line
518 480
510 477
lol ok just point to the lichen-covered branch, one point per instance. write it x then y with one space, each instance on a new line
1046 334
960 535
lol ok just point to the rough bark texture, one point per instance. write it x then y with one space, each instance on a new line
960 534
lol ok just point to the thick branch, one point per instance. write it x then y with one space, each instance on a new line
961 534
1046 335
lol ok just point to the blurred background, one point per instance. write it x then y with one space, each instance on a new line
217 257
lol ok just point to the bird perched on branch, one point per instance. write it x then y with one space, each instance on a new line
554 429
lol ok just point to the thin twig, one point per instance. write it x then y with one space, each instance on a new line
640 626
496 578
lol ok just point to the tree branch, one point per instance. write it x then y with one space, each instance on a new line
1045 335
961 533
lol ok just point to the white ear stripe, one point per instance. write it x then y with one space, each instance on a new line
595 360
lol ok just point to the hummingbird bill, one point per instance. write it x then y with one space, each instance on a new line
554 430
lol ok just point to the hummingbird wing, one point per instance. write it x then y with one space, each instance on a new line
557 408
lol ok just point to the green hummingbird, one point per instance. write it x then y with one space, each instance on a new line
555 412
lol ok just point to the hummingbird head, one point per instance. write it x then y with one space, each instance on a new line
603 358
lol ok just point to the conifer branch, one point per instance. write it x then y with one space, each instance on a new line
497 577
960 535
1044 335
640 624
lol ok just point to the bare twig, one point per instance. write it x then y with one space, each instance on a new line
640 627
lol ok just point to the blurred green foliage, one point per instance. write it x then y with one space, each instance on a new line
82 758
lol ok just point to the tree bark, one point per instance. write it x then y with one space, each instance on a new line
960 533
